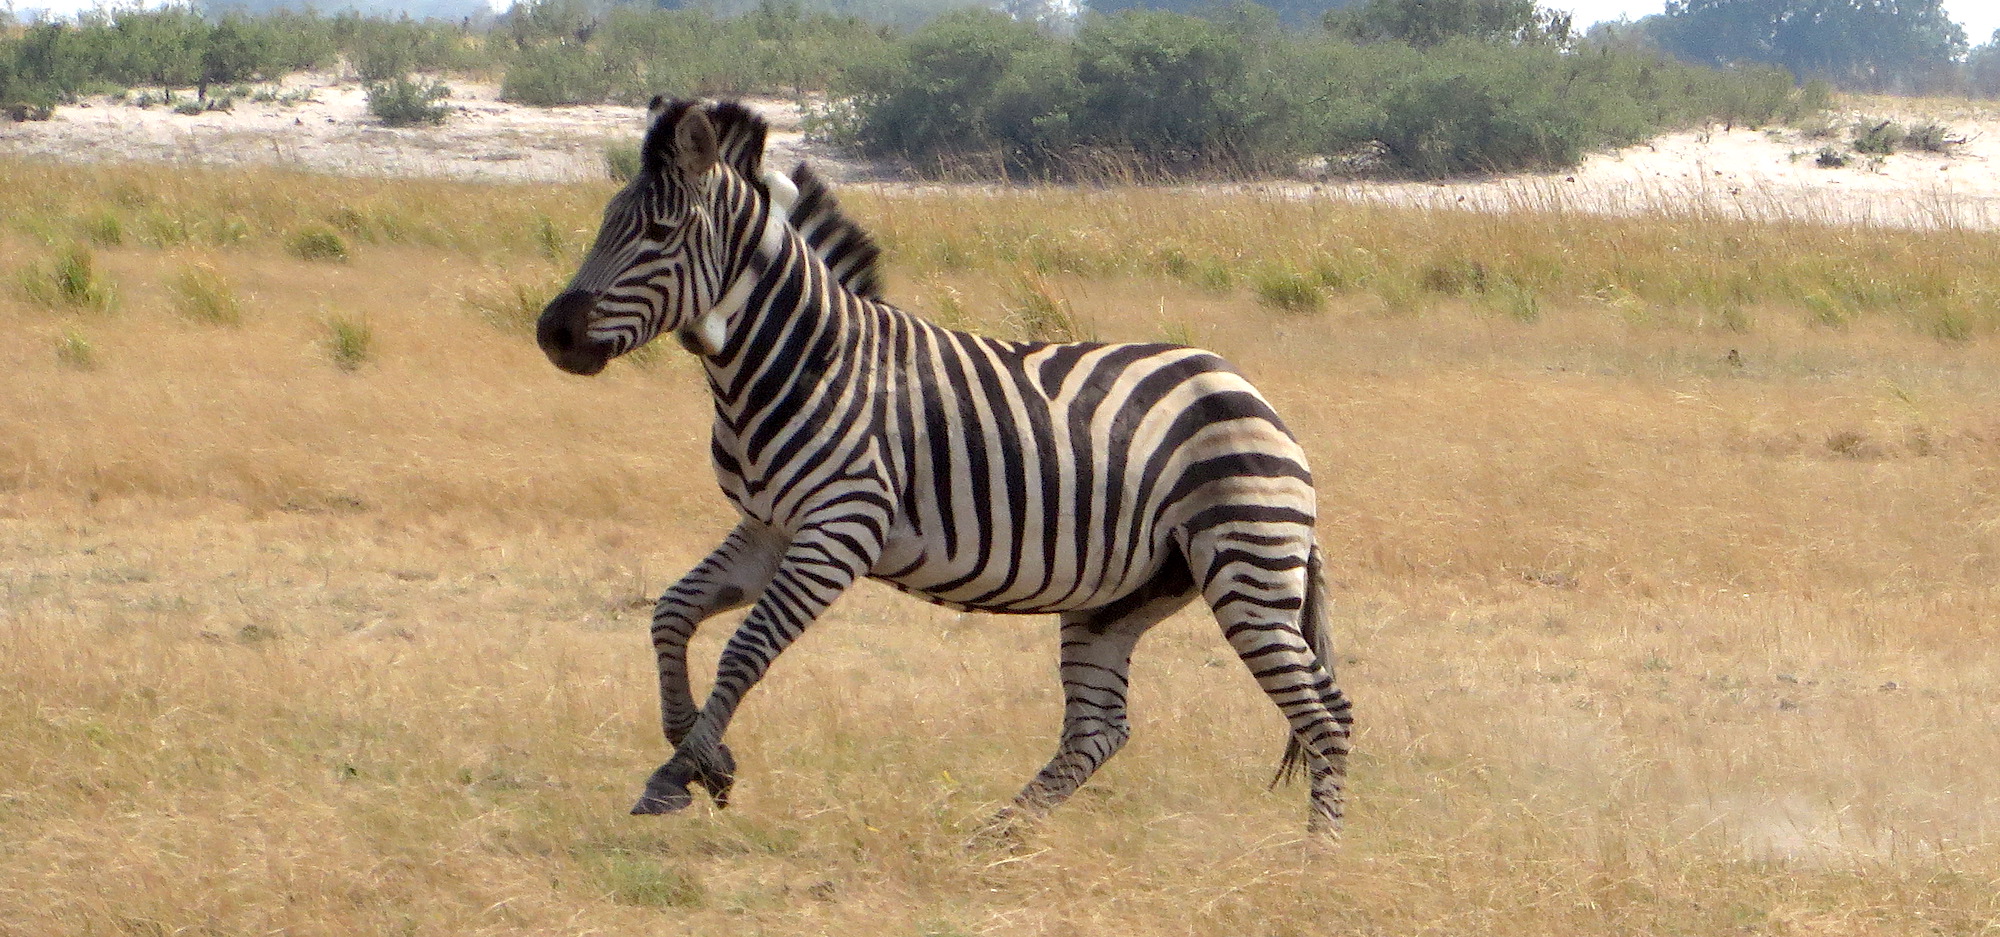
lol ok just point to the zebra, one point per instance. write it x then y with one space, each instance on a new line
1108 484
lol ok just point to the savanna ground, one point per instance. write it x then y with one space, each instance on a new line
1665 554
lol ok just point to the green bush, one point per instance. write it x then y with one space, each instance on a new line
557 74
1880 138
1427 23
933 93
1162 91
32 73
1140 90
1929 137
176 47
1175 90
1480 114
384 49
403 102
773 48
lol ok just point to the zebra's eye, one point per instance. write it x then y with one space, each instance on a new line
658 231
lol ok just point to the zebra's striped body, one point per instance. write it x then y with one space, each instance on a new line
1109 484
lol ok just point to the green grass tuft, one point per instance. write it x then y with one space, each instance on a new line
648 882
349 342
70 281
1287 290
75 351
513 307
621 161
318 243
1039 314
104 229
203 294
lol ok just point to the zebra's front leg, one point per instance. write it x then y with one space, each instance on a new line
733 575
815 569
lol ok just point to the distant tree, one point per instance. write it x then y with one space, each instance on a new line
1172 87
538 21
140 46
1871 45
52 55
1983 68
231 53
945 89
1426 23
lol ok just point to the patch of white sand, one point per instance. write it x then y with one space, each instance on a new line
330 130
1771 174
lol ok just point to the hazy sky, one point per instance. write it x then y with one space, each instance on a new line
1979 17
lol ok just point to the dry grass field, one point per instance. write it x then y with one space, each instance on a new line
1665 554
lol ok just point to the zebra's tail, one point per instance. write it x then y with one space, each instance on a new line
1313 627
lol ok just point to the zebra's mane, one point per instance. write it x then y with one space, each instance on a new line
848 250
806 200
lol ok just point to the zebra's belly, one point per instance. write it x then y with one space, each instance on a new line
1006 580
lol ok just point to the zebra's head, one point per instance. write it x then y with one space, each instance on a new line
673 240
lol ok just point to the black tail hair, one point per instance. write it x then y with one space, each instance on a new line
1313 627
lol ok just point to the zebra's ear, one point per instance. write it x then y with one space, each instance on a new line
695 147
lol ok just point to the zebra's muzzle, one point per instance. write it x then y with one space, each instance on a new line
563 332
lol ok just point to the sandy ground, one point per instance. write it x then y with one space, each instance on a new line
1754 173
1771 173
330 130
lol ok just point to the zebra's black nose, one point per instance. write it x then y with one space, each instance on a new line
563 333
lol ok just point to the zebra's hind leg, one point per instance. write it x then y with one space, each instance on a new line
1272 610
1094 668
1096 659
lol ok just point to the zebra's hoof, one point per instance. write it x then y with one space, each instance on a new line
668 802
666 792
1005 831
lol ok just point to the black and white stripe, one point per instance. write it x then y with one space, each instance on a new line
1109 484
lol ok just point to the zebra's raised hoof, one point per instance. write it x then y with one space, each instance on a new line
718 775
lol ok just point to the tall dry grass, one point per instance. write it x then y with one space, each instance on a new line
1658 620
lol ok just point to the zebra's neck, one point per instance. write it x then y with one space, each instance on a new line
709 334
776 325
